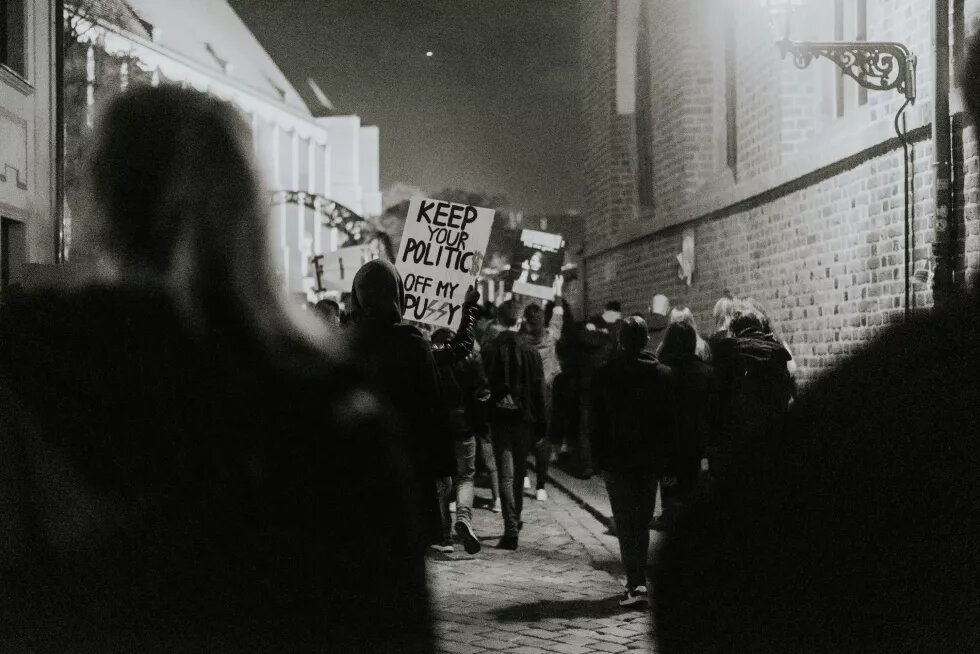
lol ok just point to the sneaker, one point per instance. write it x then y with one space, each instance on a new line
507 543
445 547
637 595
542 495
527 484
470 542
496 508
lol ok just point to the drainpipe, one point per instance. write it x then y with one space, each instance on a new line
942 248
58 211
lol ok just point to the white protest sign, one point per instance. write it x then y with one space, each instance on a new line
440 256
338 268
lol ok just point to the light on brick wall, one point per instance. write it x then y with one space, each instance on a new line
780 12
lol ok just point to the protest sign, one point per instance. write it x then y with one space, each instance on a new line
538 257
335 270
440 256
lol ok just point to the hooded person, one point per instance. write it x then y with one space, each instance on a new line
754 390
399 361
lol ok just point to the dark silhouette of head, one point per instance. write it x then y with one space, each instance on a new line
534 319
633 335
507 313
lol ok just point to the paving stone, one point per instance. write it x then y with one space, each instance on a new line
557 594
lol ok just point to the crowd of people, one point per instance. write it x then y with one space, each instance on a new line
188 462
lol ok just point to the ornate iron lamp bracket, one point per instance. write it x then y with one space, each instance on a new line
332 213
881 66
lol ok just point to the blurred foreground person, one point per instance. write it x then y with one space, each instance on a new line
634 442
859 530
176 448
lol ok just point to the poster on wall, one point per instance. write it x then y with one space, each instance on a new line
440 256
538 258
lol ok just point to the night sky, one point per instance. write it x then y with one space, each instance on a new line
495 109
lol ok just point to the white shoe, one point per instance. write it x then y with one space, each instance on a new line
541 495
496 508
527 484
633 596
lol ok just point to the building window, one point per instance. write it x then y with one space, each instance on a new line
13 36
644 116
11 252
850 24
731 95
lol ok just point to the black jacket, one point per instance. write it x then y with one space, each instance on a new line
697 395
466 394
634 427
165 492
508 351
754 391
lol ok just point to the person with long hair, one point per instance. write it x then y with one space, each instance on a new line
176 443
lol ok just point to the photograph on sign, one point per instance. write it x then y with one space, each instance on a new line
538 258
441 254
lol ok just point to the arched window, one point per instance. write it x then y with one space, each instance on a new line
644 116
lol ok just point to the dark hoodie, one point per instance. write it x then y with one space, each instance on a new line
163 492
754 390
634 428
399 362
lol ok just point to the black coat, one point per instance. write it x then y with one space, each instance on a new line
167 492
509 351
697 395
634 425
859 529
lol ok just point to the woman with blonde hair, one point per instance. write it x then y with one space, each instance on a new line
176 444
686 316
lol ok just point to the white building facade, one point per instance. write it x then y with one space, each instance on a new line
203 44
28 160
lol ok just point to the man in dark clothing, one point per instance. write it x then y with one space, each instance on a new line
634 444
754 391
517 413
696 392
598 341
466 394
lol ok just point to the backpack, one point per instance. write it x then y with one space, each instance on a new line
505 375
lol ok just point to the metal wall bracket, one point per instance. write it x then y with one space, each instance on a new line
881 66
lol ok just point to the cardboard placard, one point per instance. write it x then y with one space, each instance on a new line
440 256
538 258
337 268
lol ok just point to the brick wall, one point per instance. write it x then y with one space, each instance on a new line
818 241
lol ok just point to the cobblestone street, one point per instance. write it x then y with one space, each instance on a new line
558 593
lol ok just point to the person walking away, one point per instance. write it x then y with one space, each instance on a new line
517 418
695 391
467 391
178 443
599 340
544 338
754 391
400 363
634 438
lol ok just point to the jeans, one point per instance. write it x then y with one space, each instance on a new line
465 471
484 445
631 495
542 459
444 488
511 441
